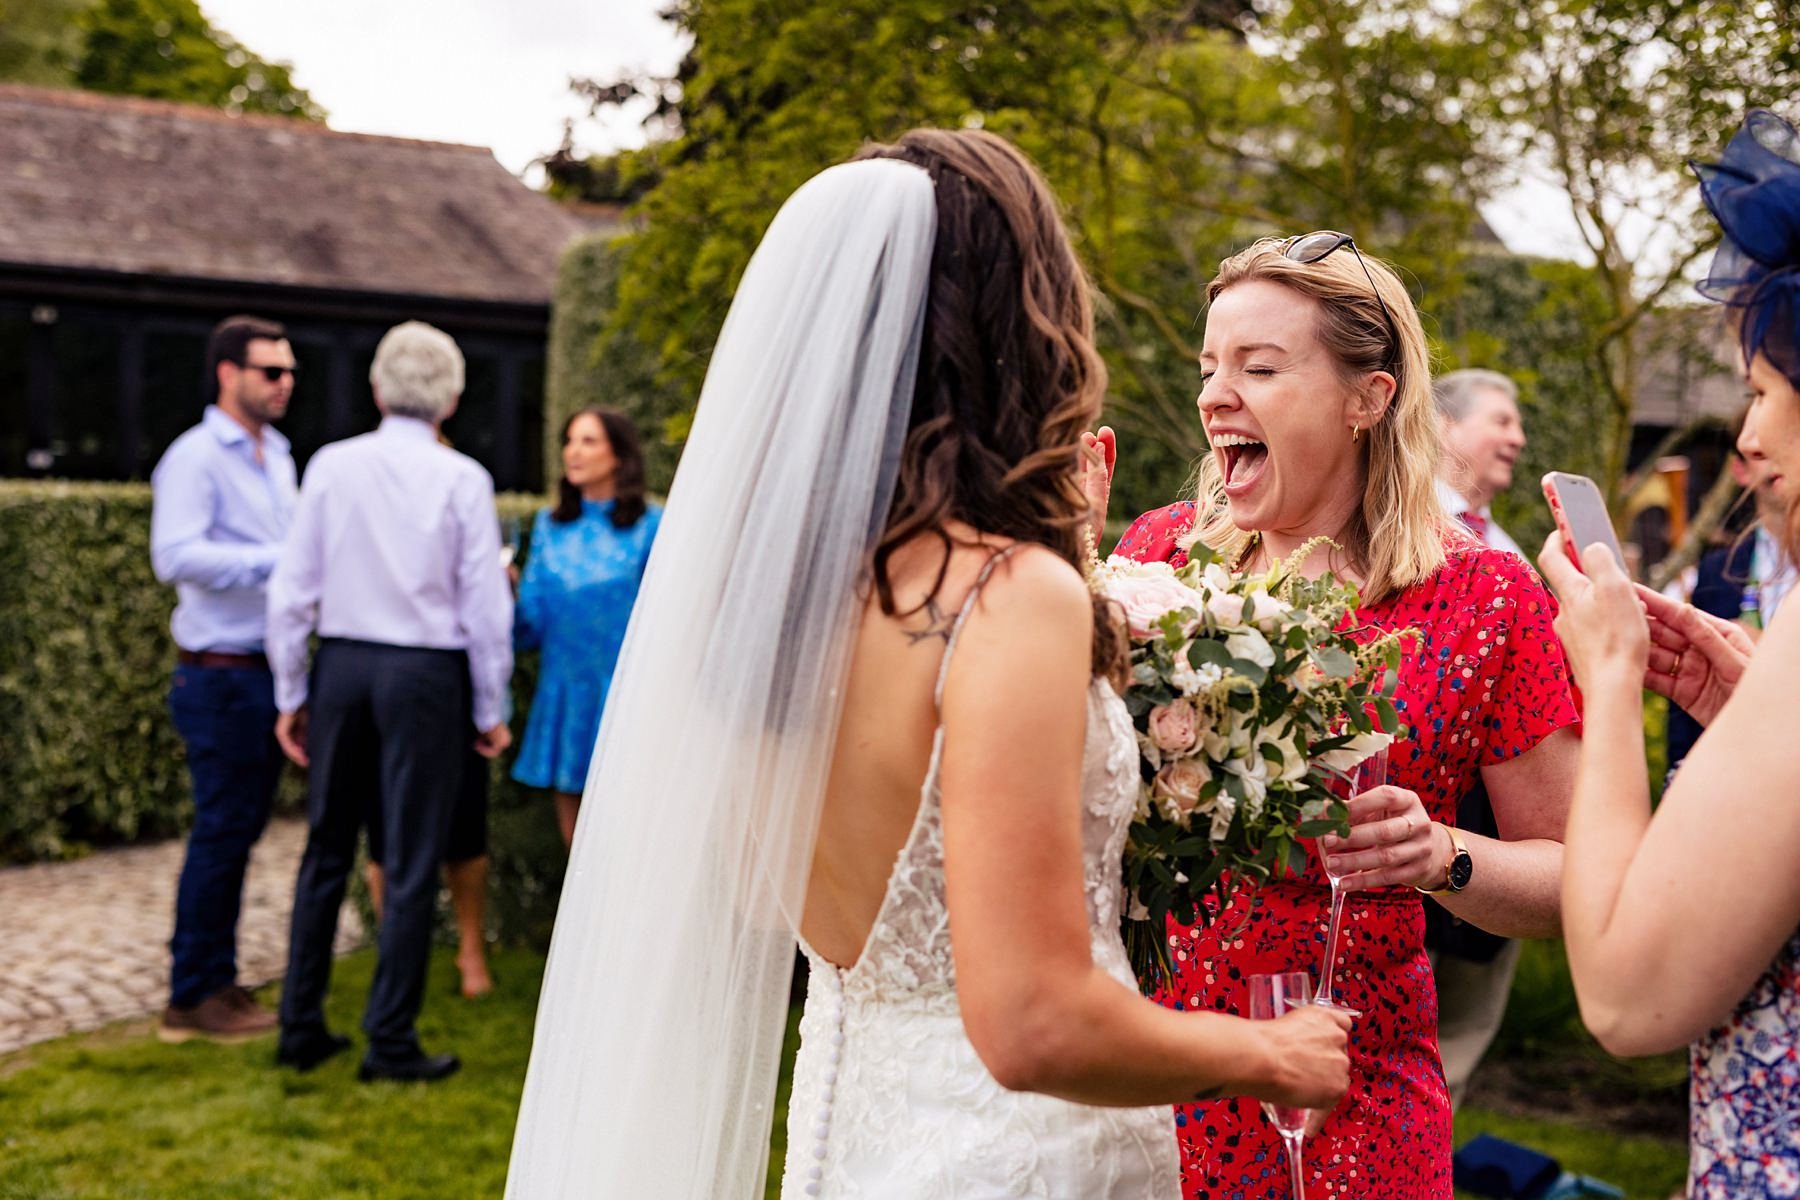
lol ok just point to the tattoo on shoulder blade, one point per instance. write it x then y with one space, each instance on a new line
937 625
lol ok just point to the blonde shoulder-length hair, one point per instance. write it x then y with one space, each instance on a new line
1396 537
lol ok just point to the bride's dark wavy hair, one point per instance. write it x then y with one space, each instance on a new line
1008 377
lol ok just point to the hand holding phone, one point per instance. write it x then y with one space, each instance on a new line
1581 515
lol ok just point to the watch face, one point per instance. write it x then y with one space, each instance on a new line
1462 867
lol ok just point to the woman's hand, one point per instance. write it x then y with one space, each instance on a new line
1099 453
1601 624
1309 1058
1696 659
1393 842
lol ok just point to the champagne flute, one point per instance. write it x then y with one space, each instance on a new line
1370 773
1270 997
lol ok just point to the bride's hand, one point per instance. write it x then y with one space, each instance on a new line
1393 842
1099 454
1309 1058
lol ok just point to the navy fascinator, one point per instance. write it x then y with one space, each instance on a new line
1754 191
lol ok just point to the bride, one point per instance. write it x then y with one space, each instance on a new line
865 701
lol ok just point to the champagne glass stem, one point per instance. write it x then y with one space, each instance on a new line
1294 1141
1333 930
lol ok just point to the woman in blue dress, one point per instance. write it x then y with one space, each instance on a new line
575 597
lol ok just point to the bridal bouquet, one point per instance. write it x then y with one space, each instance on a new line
1246 692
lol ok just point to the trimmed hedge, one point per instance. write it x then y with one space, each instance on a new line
595 359
90 756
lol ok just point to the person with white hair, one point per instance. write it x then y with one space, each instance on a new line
1483 435
394 561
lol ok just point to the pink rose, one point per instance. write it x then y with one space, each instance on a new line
1147 600
1181 782
1174 727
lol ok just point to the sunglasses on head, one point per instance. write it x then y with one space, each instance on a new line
1311 247
270 373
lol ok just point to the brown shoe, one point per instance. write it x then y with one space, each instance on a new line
222 1017
240 999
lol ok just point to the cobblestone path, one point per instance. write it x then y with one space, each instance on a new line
86 943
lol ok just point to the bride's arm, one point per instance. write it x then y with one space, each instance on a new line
1040 1014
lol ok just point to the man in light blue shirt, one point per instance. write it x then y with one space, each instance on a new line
224 498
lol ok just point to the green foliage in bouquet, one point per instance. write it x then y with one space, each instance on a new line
1248 692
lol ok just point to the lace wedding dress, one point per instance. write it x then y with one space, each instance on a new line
889 1097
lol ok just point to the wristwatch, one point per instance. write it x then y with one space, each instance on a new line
1460 869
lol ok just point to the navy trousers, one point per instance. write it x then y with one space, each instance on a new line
388 732
226 716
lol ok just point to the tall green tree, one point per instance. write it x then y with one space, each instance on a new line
1173 134
167 49
38 41
1609 99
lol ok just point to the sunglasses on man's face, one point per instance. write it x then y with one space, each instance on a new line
272 374
1311 247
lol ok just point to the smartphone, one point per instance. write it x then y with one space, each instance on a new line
1580 513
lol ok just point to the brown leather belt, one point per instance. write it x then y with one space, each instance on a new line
214 658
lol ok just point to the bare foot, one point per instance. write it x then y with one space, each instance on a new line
476 982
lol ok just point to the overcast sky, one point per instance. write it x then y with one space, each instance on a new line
495 73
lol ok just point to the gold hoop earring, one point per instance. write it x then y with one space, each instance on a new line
1355 433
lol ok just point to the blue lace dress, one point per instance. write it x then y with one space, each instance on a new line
575 599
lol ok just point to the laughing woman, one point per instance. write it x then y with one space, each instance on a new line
1316 400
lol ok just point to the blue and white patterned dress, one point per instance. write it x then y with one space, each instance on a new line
1744 1102
575 599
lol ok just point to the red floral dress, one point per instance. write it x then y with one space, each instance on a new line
1486 682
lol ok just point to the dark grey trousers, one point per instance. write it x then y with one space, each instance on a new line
388 730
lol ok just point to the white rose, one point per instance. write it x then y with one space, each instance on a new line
1251 646
1253 769
1267 612
1281 736
1225 608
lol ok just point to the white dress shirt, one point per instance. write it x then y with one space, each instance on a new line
1491 533
396 540
216 524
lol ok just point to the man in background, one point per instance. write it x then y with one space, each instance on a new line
394 560
223 500
1483 436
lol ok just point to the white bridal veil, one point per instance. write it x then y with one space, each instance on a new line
659 1029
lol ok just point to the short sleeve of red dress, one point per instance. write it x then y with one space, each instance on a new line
1527 695
1487 665
1155 536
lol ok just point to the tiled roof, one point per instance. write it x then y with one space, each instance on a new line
146 187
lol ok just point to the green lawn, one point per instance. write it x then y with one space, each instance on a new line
116 1114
